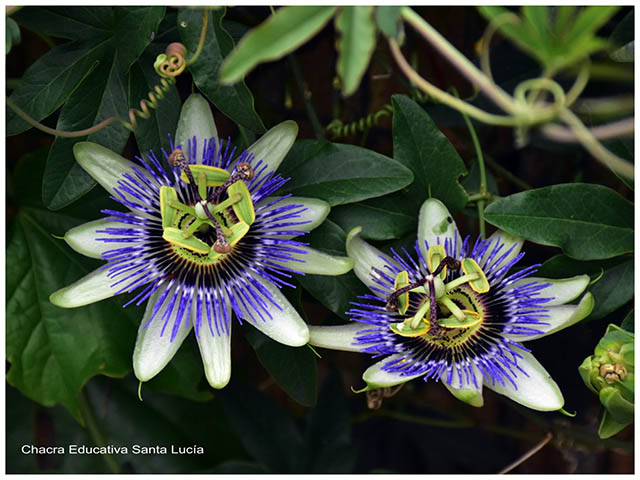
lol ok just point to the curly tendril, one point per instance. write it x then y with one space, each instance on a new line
168 65
338 129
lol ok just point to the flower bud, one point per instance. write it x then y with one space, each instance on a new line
609 373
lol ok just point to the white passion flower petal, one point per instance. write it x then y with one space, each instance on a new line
338 337
274 145
84 238
309 215
105 166
376 377
196 120
154 348
560 291
467 392
285 325
435 224
537 391
493 260
215 351
91 288
316 263
366 258
558 318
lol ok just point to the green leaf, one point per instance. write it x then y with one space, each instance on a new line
588 222
334 292
387 17
420 146
328 434
340 173
293 369
236 101
613 278
628 322
100 96
49 81
559 40
53 351
383 218
77 23
281 33
623 38
355 45
265 429
12 34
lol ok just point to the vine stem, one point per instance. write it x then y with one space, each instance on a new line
507 174
93 428
473 74
444 97
527 455
304 92
611 130
594 147
60 133
203 35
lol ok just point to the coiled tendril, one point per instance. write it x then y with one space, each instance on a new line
168 65
338 129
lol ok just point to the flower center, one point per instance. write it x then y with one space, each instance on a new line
206 231
447 313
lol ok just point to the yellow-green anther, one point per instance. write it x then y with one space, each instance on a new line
435 255
174 236
167 211
481 285
461 280
405 330
471 319
214 176
244 208
402 280
236 232
453 308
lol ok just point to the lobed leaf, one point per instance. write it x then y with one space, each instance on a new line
236 101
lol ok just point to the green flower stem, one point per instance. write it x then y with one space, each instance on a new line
479 79
483 175
445 98
306 96
594 147
620 128
94 430
203 35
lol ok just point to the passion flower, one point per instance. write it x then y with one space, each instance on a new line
202 239
456 312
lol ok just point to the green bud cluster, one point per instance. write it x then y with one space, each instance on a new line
609 373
